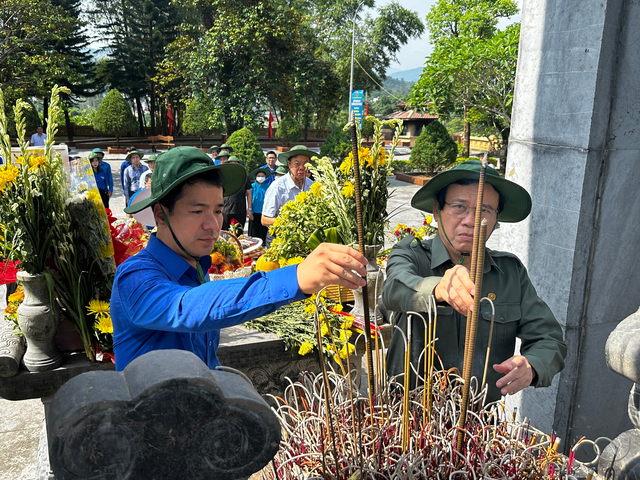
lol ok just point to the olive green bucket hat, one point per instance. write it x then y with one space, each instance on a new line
226 147
297 150
212 148
517 201
134 152
181 163
254 173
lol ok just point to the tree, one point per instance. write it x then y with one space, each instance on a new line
434 148
246 147
114 116
480 75
337 145
197 120
28 28
288 131
458 27
137 32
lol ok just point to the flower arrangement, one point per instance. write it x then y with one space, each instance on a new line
226 256
425 231
102 325
235 227
11 311
374 169
32 192
297 221
294 325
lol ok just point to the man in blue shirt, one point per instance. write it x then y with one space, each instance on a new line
161 298
271 165
285 188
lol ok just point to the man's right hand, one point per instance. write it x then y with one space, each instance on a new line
332 264
456 289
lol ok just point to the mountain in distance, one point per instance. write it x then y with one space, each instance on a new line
412 75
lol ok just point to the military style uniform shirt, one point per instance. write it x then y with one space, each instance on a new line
415 268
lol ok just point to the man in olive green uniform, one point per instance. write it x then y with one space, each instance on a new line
440 267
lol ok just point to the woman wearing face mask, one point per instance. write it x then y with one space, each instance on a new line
258 190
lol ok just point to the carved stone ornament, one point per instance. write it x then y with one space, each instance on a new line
165 416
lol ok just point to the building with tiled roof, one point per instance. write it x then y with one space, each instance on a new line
413 122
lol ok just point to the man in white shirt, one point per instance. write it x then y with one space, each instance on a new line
38 138
285 188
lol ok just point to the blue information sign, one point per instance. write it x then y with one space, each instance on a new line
357 97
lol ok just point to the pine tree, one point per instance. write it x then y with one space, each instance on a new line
114 116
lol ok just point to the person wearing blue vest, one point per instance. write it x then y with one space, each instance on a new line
161 298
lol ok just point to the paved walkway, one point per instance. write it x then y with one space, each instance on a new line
21 422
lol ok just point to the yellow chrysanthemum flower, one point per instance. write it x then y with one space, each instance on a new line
277 222
98 308
305 348
294 261
316 189
347 165
429 219
310 309
8 175
17 296
324 329
346 325
348 189
338 308
345 335
37 162
301 197
368 161
11 309
331 349
94 196
347 350
20 160
104 324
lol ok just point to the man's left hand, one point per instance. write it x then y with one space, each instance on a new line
518 375
250 216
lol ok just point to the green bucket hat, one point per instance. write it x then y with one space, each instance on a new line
254 173
212 148
134 152
234 159
297 150
226 147
281 170
152 158
517 201
223 153
93 155
181 163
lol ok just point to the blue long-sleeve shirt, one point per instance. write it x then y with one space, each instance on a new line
107 168
158 303
101 178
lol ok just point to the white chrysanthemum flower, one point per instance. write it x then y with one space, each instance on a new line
83 187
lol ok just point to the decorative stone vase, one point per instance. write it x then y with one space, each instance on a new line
37 321
375 277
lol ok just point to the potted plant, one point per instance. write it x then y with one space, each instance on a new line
114 117
32 206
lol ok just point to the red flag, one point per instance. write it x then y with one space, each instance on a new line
170 116
367 110
270 125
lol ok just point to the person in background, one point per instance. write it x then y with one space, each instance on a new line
271 164
123 166
258 191
38 138
286 188
223 157
281 171
100 175
237 206
151 163
132 174
107 168
213 151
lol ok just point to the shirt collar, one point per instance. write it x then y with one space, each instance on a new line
440 255
171 261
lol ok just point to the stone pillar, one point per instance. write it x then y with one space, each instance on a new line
166 415
573 146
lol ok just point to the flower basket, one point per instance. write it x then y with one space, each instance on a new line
340 294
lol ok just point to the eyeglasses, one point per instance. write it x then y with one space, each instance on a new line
460 210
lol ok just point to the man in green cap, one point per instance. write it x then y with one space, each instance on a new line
161 298
439 267
285 188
